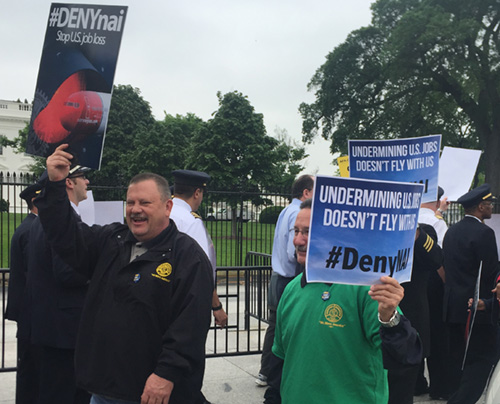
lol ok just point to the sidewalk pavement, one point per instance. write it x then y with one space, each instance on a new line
228 380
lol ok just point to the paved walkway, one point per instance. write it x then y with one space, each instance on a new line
228 380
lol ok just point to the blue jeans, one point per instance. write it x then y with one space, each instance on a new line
103 400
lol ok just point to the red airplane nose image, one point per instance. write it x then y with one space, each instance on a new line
71 111
82 113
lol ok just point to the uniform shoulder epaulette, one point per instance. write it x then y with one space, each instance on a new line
429 243
196 215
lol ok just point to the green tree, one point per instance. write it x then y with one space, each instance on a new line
166 146
422 67
235 150
129 117
287 163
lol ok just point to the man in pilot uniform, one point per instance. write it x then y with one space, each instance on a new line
189 187
470 263
27 353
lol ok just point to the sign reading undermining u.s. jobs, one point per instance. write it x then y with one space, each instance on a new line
361 230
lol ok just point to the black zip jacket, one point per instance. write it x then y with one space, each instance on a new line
148 315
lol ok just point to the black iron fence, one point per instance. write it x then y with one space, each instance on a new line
242 228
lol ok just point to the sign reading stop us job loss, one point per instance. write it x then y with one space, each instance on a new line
361 230
407 160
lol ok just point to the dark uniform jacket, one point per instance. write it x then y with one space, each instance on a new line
148 315
427 257
54 295
18 268
465 245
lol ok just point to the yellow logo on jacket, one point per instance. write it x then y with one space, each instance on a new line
333 314
163 271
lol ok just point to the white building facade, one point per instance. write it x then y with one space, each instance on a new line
13 117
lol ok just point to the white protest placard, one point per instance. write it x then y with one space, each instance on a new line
107 212
456 171
494 223
100 212
361 230
414 159
86 209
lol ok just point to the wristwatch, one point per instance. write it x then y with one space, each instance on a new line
393 322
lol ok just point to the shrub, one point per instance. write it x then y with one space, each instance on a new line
4 205
270 215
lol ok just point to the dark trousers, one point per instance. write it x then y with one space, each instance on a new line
468 384
402 384
439 357
27 377
272 394
277 287
265 360
57 378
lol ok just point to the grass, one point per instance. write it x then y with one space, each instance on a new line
8 224
231 245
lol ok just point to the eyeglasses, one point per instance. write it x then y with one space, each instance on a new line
303 232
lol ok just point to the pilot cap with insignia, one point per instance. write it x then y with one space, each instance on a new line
77 171
33 190
477 195
190 177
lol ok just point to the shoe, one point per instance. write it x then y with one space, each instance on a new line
261 380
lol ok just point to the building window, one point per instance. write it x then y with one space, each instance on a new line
24 107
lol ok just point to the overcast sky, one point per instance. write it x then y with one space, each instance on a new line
181 53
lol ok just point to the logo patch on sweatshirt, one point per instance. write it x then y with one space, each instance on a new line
333 314
163 271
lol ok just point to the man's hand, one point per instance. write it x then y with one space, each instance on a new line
220 318
480 304
157 390
444 204
497 291
58 163
388 294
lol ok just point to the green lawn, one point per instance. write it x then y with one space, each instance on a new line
8 224
251 236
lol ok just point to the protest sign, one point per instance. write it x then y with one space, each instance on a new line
406 160
75 80
456 171
343 163
494 223
361 230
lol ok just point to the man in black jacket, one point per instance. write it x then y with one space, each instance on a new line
27 354
52 306
427 258
470 247
146 317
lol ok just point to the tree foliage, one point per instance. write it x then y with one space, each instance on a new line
129 117
422 67
234 148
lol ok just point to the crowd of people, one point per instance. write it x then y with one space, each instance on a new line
120 313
